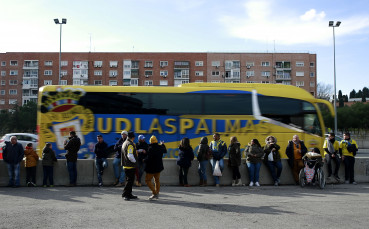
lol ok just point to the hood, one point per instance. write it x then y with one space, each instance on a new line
266 139
204 140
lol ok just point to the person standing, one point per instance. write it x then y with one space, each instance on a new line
203 156
331 153
30 163
295 150
101 154
254 154
185 156
13 155
142 148
234 161
48 159
117 162
348 149
154 165
272 158
72 147
129 162
218 150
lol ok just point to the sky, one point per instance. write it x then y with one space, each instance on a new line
198 26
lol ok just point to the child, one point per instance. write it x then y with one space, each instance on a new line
185 156
48 159
30 163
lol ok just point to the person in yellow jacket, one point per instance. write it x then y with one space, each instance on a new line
348 149
129 162
331 153
30 162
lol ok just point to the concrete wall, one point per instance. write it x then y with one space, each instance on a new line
87 173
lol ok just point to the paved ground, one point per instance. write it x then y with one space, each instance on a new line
337 206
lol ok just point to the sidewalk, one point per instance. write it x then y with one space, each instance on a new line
336 206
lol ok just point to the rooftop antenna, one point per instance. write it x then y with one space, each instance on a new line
90 41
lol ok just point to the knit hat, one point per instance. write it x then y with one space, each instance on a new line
124 132
131 134
153 139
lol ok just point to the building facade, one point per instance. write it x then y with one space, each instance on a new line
23 73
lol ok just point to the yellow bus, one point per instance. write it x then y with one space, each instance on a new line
191 110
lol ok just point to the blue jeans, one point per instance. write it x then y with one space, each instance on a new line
13 171
118 170
48 174
202 169
100 164
221 165
72 170
275 165
141 169
254 169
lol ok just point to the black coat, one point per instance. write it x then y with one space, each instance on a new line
289 152
141 145
72 148
234 154
154 158
185 156
101 150
13 154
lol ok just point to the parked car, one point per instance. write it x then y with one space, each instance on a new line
23 138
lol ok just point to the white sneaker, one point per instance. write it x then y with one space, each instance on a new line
251 184
257 184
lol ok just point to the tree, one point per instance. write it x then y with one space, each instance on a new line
352 94
340 99
324 91
366 92
345 98
19 119
363 99
359 94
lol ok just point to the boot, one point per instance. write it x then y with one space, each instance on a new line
239 183
233 182
201 182
205 183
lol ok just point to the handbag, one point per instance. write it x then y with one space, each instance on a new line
217 172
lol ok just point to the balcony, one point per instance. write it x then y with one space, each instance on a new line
30 65
283 66
30 76
283 77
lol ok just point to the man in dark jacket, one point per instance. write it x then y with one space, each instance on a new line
154 165
295 150
13 155
101 155
129 161
117 162
141 147
72 147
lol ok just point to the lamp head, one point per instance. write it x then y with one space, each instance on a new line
338 23
64 21
330 23
56 21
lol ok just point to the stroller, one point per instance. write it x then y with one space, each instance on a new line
313 171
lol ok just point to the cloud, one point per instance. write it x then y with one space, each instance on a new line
263 20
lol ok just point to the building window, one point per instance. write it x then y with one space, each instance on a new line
250 81
2 92
76 82
127 73
113 83
48 82
48 72
215 73
299 63
13 63
3 82
63 82
163 73
98 72
113 73
135 63
98 64
13 101
299 73
64 63
13 82
215 81
134 82
199 73
63 72
148 64
265 81
250 64
299 83
48 63
2 101
12 91
236 74
148 83
113 64
265 73
3 73
215 63
265 63
97 82
148 73
312 64
163 82
163 63
199 63
3 63
199 81
250 73
312 74
312 84
13 72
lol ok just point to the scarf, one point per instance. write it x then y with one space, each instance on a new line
330 147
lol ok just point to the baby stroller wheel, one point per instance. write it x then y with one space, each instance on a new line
302 178
321 178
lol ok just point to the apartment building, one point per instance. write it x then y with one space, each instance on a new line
23 73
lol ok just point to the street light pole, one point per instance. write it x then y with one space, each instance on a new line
331 24
64 21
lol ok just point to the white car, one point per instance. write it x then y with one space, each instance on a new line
23 138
